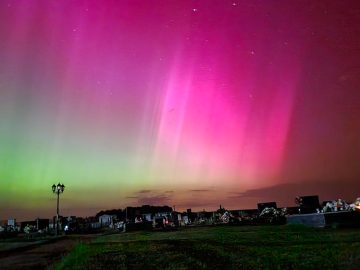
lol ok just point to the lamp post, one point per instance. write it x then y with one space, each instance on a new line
57 189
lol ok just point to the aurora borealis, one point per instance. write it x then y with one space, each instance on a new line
186 103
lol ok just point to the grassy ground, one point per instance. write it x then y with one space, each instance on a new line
265 247
5 246
22 242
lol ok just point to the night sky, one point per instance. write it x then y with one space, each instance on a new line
185 103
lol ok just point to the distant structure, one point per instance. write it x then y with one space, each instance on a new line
262 206
105 220
145 212
308 204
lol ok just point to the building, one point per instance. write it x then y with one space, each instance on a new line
106 220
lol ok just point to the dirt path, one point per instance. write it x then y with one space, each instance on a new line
41 256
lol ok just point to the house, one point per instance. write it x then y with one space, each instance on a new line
105 220
147 212
262 206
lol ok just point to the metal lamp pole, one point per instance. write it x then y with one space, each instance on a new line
57 189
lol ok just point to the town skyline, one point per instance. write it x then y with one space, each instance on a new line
234 201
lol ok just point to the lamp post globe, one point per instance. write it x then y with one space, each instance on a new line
57 189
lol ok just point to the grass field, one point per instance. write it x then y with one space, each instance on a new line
225 247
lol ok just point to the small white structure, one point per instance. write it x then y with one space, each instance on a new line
185 220
138 220
105 220
147 217
11 222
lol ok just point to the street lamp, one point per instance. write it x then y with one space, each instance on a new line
57 189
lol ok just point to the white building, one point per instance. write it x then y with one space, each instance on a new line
105 220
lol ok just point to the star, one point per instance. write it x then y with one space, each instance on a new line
194 9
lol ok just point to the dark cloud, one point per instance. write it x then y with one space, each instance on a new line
151 197
144 191
198 204
154 200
